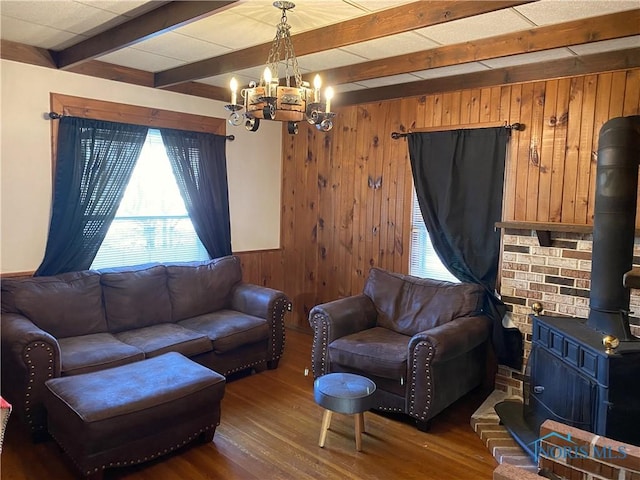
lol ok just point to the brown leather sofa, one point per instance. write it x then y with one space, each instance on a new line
87 321
423 342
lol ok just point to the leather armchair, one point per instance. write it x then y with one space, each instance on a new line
423 342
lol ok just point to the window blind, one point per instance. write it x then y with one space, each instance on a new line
423 259
151 224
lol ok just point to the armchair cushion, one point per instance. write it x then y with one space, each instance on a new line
409 305
378 351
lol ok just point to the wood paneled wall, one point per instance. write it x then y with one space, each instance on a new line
347 194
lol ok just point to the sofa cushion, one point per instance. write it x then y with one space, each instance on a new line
409 305
229 329
90 353
196 288
167 337
377 351
135 297
64 305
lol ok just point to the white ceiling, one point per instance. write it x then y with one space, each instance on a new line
57 24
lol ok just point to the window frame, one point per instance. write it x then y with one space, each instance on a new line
124 113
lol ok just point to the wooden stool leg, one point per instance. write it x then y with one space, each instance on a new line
359 420
326 421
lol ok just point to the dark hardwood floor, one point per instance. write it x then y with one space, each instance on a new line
269 430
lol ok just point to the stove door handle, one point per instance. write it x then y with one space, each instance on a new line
538 389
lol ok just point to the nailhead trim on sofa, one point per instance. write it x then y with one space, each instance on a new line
27 357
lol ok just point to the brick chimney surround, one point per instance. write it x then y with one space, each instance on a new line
557 276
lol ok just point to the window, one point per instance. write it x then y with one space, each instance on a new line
151 224
423 259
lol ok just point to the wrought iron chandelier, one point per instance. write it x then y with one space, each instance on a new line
292 102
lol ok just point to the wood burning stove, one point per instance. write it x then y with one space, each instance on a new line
586 372
575 381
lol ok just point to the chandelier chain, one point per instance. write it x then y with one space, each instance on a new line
282 52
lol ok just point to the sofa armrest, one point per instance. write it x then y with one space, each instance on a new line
454 338
265 303
337 319
30 356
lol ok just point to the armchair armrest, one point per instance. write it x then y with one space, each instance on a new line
444 363
30 356
265 303
454 338
345 316
337 319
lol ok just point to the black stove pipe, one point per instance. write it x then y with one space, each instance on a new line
614 225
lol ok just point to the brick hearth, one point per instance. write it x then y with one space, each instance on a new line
486 424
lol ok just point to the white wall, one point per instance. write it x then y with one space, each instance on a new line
254 160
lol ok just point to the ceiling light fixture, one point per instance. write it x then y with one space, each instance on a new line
292 102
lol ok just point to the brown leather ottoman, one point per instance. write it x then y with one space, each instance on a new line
133 413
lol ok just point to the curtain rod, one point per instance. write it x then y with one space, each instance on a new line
513 126
57 116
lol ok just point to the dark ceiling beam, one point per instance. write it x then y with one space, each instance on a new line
590 64
198 89
369 27
596 63
160 20
606 27
19 52
566 67
110 71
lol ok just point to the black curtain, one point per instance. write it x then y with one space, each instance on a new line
94 162
459 177
200 166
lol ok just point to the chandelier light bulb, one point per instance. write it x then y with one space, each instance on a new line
267 80
267 75
328 95
233 85
317 83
